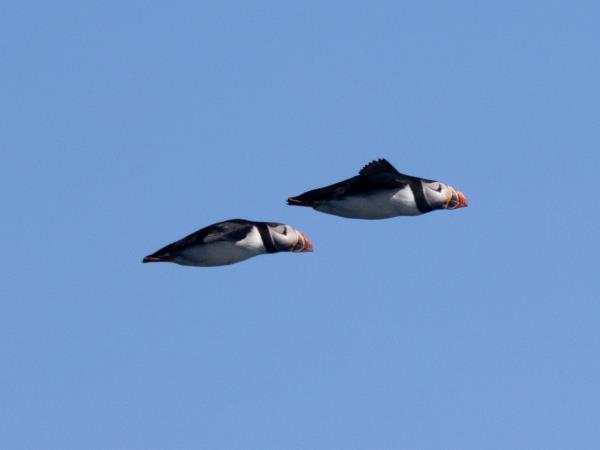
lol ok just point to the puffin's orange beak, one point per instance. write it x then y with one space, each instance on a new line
462 200
458 200
303 244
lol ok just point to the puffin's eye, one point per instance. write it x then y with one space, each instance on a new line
439 188
284 231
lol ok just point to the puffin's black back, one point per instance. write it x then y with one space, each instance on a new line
230 230
376 175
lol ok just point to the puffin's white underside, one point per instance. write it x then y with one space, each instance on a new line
222 253
381 205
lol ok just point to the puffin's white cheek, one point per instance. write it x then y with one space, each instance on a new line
440 199
282 241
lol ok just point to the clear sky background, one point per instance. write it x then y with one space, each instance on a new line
127 125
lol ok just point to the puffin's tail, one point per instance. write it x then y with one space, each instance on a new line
154 258
296 201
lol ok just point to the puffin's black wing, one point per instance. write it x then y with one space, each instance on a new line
381 170
230 230
314 197
378 174
378 168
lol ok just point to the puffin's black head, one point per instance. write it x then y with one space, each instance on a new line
287 239
443 196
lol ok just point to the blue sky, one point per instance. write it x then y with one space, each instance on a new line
127 125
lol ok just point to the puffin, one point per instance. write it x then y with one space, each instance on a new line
379 191
230 242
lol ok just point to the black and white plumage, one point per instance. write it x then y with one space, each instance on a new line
379 191
230 242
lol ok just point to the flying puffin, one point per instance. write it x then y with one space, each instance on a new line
230 242
379 191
